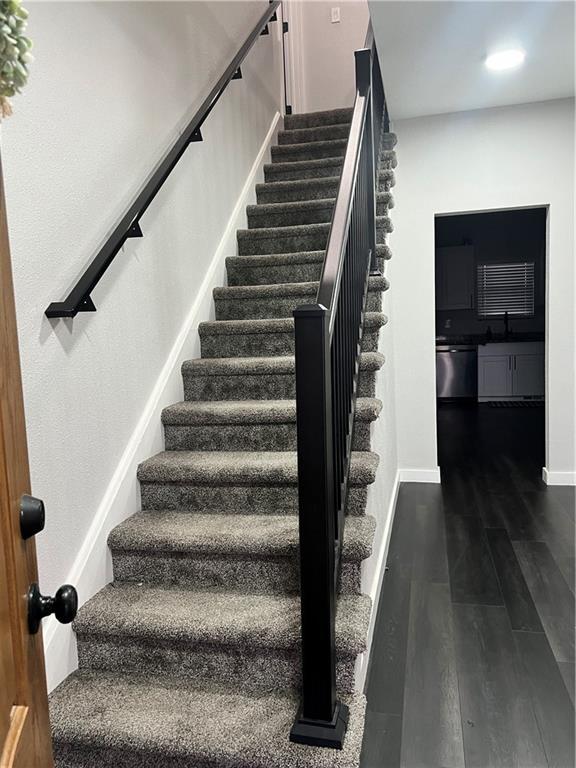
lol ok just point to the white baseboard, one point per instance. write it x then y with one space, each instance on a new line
92 569
551 477
363 661
420 475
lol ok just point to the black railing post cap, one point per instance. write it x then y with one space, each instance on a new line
310 310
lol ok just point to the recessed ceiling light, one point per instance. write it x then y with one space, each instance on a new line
509 59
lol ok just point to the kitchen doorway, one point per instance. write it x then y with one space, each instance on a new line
490 271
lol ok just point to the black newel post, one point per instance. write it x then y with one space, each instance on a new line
322 719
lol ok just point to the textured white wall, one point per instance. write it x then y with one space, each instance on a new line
327 50
382 494
108 91
511 157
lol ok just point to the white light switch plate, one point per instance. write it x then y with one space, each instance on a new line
335 15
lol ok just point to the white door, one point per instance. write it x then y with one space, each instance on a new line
528 375
494 376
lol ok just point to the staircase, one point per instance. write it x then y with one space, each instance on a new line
191 656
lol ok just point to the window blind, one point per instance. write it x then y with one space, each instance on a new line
505 288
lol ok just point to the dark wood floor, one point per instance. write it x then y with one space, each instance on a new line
473 656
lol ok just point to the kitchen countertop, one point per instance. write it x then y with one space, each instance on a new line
480 339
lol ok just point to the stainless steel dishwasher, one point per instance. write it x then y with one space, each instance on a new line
456 371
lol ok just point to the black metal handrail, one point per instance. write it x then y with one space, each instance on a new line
328 337
79 298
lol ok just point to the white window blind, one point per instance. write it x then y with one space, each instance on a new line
505 288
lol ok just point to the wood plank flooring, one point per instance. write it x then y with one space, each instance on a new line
472 664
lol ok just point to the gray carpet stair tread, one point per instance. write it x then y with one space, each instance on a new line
314 133
310 150
242 467
176 531
387 175
388 157
246 366
251 411
299 230
274 325
156 723
304 169
305 205
278 290
303 189
315 119
388 141
298 257
214 618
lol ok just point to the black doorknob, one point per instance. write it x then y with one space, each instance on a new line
32 516
63 605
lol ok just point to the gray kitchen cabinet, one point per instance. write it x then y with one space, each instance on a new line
510 371
455 277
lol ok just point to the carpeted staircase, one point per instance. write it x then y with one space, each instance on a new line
191 656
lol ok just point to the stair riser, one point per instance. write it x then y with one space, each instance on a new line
230 572
317 189
318 133
285 273
261 309
296 152
236 499
246 437
251 670
257 242
258 387
316 119
314 214
264 344
287 171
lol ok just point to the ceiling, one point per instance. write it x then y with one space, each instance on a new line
432 53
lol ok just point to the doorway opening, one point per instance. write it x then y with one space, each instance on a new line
490 272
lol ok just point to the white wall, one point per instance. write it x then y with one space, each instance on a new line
108 91
321 54
382 494
511 157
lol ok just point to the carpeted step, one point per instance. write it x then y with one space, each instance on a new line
266 338
388 141
237 552
102 720
311 189
248 425
248 641
239 482
296 212
306 237
297 267
312 150
304 169
247 302
316 133
304 189
259 378
388 160
386 179
315 119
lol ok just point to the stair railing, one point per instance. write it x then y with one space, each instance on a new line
328 336
79 297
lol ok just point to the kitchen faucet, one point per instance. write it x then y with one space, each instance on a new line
507 330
